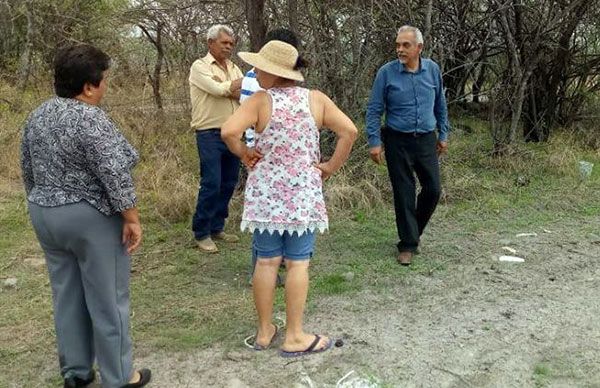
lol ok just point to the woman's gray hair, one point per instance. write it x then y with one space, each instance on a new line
214 31
414 30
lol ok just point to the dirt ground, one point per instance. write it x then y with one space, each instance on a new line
478 323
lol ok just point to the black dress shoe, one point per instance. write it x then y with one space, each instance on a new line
76 382
145 376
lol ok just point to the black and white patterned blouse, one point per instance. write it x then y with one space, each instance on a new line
72 151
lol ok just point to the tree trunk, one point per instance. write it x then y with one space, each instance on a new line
478 84
256 23
160 55
293 15
517 105
26 55
545 94
427 27
518 78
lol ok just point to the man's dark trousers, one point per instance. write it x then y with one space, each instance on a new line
407 154
219 170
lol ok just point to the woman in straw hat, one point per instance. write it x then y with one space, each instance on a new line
284 204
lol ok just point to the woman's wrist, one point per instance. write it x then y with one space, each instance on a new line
131 216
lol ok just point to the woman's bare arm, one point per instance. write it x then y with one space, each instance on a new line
247 115
328 115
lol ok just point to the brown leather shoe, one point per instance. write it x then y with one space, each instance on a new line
207 245
222 236
405 258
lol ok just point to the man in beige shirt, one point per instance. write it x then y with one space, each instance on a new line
215 84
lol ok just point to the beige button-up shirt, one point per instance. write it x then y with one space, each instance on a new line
211 102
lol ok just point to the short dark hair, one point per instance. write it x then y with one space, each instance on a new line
287 36
74 66
284 35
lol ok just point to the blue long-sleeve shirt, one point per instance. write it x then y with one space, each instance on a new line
412 102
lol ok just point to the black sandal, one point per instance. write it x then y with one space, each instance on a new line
145 376
77 382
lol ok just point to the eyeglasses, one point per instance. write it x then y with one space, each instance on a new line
405 44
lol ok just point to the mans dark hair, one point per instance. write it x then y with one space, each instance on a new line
74 66
284 35
287 36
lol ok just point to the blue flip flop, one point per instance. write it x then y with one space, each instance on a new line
310 350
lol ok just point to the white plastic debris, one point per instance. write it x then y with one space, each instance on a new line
340 381
306 381
352 380
509 249
585 169
236 383
527 234
10 283
512 259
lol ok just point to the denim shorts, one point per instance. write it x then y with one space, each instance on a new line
289 245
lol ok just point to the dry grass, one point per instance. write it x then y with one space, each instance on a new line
182 299
14 109
167 176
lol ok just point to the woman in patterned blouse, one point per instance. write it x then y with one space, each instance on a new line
76 167
283 202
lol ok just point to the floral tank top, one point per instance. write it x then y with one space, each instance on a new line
284 189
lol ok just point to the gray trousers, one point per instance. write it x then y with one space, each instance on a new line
89 274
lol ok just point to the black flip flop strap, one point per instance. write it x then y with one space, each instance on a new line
313 345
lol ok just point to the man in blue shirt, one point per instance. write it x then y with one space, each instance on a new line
410 93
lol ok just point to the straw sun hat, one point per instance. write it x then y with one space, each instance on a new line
275 57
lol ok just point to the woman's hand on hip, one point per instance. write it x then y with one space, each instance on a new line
326 169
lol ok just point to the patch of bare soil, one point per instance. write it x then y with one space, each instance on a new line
479 323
